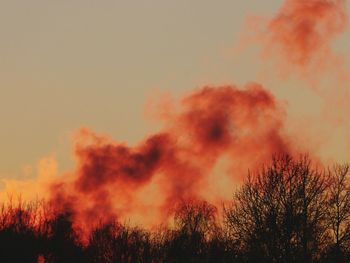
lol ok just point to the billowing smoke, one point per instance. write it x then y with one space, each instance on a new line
243 125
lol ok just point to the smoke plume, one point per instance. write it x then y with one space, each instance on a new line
244 125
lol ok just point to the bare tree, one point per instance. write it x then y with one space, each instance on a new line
279 213
195 216
339 209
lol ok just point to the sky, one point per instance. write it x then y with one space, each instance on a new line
70 64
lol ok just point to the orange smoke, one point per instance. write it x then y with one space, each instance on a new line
242 125
299 41
35 186
303 32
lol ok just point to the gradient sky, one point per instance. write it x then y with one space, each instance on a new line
71 63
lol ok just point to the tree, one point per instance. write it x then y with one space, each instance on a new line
63 243
339 212
19 237
195 222
279 213
114 242
195 217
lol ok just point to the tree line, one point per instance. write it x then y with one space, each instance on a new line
288 211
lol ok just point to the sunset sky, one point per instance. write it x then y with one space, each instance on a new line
100 64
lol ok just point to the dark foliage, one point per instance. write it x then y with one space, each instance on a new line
289 211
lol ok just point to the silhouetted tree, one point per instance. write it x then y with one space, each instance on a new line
63 243
195 222
279 213
117 243
19 237
196 217
339 213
